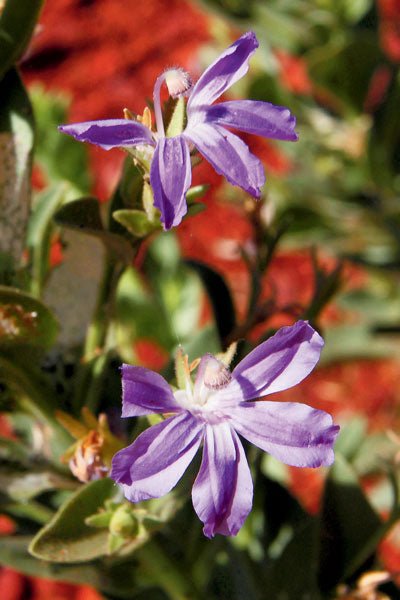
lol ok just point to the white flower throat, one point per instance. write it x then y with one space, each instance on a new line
201 399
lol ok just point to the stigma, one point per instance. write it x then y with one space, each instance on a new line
178 82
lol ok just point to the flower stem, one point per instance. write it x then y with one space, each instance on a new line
95 355
175 581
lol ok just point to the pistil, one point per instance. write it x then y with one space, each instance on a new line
178 83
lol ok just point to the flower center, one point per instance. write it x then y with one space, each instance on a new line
178 83
202 399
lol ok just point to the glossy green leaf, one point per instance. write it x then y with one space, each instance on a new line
348 523
17 22
67 538
136 222
84 215
25 320
196 192
16 143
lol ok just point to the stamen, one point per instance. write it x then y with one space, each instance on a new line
128 115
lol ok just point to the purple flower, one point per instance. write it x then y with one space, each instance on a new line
212 412
170 172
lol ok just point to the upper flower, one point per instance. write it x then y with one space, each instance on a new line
170 172
213 411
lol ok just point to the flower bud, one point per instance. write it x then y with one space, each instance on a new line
123 522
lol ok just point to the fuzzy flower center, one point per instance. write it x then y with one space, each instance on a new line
202 398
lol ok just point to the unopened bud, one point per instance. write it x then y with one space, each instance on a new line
123 522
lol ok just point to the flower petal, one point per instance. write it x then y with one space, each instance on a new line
253 116
157 459
145 392
229 156
294 433
170 177
228 68
110 133
223 491
275 365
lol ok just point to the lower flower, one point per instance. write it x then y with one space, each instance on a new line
212 411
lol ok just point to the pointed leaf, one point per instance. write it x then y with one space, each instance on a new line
40 227
136 222
67 538
17 22
348 522
220 297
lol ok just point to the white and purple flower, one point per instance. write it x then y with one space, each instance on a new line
212 412
207 123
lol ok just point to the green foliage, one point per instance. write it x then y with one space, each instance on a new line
348 524
67 538
25 320
16 144
131 284
17 22
58 155
84 215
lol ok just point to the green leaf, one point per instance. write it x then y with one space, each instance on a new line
128 194
136 222
346 342
17 22
348 523
67 538
25 320
40 228
300 559
60 157
34 511
16 142
84 215
220 296
384 145
196 192
195 209
22 486
334 67
13 553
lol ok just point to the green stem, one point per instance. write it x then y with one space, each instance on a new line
166 573
97 332
95 356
